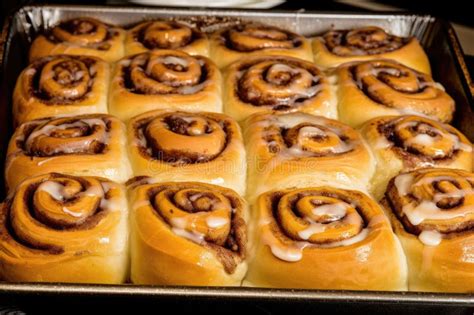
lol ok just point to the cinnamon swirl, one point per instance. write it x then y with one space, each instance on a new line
302 150
187 233
184 146
82 36
164 79
277 83
323 238
432 213
62 228
162 34
92 145
376 88
61 85
368 43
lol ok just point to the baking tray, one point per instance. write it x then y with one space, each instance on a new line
449 68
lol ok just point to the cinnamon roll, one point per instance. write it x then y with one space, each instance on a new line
404 143
164 79
323 238
183 146
376 88
86 145
277 83
61 85
253 39
432 213
61 228
82 36
187 233
302 150
162 34
368 43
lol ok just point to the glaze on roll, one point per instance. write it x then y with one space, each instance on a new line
376 88
163 34
61 228
61 85
187 233
277 83
323 238
302 150
403 143
82 36
368 43
252 39
432 214
184 146
164 79
69 145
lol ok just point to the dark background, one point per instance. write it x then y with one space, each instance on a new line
458 12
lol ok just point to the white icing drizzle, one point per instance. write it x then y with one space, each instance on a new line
430 238
337 210
216 222
54 189
45 160
192 236
72 213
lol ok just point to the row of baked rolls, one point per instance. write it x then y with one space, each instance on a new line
60 228
82 36
368 43
162 79
276 83
302 150
88 36
404 143
376 88
323 238
432 213
184 146
187 233
61 85
91 145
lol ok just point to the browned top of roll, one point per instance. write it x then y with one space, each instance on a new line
165 72
370 40
280 83
61 79
253 37
165 34
84 32
180 138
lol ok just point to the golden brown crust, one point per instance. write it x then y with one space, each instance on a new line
253 39
164 34
277 83
368 43
61 85
69 145
376 88
164 79
431 213
187 233
323 238
80 36
184 146
302 150
60 228
404 143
